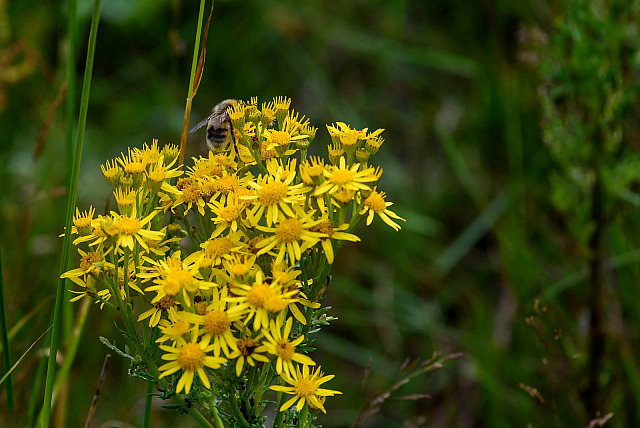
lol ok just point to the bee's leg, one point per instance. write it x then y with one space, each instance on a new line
233 141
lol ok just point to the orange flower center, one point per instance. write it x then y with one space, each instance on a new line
289 230
165 303
88 260
259 294
305 388
191 193
129 226
272 193
230 213
180 328
344 196
176 280
218 247
341 177
324 227
227 184
375 201
284 350
274 303
280 138
240 269
216 322
190 357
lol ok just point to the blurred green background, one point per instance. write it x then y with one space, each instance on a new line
455 84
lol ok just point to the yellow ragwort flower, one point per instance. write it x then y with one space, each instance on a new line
131 230
375 204
248 350
191 358
305 388
259 300
278 344
291 236
159 308
216 323
274 195
342 177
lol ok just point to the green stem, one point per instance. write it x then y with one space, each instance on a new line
71 200
5 340
147 405
216 417
304 416
70 115
190 94
236 411
279 415
72 349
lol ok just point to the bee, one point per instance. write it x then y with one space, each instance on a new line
219 127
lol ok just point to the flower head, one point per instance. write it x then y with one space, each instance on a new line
305 388
375 204
190 358
278 344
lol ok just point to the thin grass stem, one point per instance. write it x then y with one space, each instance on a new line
71 200
6 355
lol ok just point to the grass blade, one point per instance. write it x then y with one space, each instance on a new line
5 339
71 200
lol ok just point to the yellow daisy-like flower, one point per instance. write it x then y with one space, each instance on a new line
248 349
222 247
173 276
287 277
290 236
259 300
267 114
131 230
346 178
375 204
91 263
160 172
175 327
241 268
237 115
191 358
228 215
278 344
282 104
305 388
226 186
150 154
282 139
155 313
274 194
216 323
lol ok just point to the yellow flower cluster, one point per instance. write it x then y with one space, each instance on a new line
230 257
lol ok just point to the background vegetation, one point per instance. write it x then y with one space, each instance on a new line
501 119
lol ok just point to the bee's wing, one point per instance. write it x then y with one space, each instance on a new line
200 124
218 118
